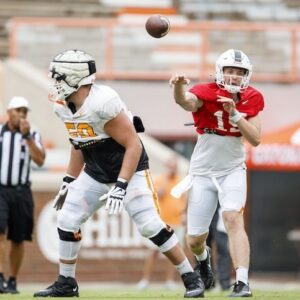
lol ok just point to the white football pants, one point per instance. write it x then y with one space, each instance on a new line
229 190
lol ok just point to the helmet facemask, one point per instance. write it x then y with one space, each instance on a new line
234 83
70 70
235 59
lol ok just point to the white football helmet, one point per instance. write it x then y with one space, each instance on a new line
237 59
70 70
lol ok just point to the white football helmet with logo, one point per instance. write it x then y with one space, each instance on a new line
70 70
237 59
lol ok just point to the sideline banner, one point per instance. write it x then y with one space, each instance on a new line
281 157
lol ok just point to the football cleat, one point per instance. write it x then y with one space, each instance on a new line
241 289
205 270
63 287
193 284
11 286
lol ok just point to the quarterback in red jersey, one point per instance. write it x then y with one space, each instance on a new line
225 112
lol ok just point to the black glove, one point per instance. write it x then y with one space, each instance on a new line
59 199
114 198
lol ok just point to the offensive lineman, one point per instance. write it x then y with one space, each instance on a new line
224 113
108 166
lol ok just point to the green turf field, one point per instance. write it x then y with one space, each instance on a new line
128 294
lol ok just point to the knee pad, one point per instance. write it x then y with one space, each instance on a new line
151 228
150 225
166 239
160 238
69 244
69 236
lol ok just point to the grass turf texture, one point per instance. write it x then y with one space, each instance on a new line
132 294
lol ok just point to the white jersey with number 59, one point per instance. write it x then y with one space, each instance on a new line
101 105
102 155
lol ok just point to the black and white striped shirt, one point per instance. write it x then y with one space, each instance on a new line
14 157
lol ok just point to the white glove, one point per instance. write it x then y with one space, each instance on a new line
60 198
114 198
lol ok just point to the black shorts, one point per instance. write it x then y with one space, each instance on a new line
16 213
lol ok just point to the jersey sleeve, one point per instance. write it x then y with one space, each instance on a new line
38 139
111 108
204 92
256 104
106 103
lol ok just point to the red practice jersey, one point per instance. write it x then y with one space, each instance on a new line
212 114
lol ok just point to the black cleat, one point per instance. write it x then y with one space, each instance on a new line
193 284
241 289
11 286
2 285
63 287
205 270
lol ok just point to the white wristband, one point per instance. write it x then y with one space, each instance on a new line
122 179
236 117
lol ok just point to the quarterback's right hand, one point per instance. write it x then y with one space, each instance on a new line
59 199
178 79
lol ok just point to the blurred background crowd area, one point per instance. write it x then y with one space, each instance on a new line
138 66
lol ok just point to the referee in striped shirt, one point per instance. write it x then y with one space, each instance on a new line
18 146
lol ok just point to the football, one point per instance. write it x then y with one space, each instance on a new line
157 26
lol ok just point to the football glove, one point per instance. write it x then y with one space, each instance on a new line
114 198
60 198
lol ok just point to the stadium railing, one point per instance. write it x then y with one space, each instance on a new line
125 51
